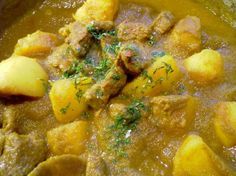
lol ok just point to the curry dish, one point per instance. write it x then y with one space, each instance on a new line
113 88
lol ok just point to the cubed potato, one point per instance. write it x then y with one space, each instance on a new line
225 123
185 38
22 76
159 77
205 67
195 158
68 139
36 44
94 10
67 98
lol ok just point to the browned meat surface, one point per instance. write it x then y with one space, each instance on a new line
162 24
110 47
13 160
96 166
172 113
78 37
103 25
9 123
132 31
230 94
185 39
98 95
62 57
134 57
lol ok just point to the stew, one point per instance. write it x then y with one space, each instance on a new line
117 89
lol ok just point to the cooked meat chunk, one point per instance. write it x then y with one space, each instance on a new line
134 57
10 120
63 165
162 24
21 154
78 37
103 25
110 47
230 94
185 39
98 95
96 166
36 44
62 57
173 112
132 31
2 142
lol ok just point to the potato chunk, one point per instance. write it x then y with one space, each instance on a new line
65 165
36 44
225 123
68 139
158 78
22 76
185 39
195 158
94 10
205 67
67 98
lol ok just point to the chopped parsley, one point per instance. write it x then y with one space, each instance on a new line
101 70
124 124
78 68
79 95
116 77
65 109
74 69
168 69
98 34
146 76
113 48
152 40
99 93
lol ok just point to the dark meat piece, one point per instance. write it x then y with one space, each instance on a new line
96 166
62 165
98 95
78 37
134 57
21 154
185 39
162 24
62 57
103 25
173 112
110 47
132 31
230 94
10 120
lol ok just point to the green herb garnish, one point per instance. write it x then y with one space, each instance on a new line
124 124
146 76
97 33
101 69
79 95
113 48
168 69
116 77
65 109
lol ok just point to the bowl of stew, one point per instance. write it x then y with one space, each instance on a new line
123 88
